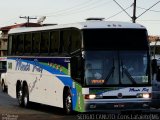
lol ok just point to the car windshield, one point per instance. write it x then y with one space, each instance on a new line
116 68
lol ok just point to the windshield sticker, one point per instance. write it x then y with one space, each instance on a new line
97 81
144 79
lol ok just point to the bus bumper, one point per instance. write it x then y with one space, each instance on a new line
119 106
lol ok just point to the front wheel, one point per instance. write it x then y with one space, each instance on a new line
67 102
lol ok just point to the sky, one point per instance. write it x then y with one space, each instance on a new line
70 11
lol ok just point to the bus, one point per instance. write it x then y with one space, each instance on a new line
88 66
3 67
155 55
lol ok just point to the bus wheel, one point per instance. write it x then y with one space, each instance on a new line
3 87
19 96
67 102
25 97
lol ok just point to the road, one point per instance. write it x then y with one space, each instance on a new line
10 110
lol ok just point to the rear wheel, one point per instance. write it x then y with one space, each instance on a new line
25 97
67 100
19 95
4 89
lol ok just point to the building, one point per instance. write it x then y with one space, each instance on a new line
4 35
153 38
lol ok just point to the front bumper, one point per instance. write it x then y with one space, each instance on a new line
91 106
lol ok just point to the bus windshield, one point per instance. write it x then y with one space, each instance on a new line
111 39
116 67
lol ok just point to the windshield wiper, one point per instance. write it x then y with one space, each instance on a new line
127 74
111 72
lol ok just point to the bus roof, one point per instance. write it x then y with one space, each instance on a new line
91 24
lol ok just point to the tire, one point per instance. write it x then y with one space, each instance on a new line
19 96
67 102
25 97
3 87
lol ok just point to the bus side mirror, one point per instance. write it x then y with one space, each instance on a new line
154 66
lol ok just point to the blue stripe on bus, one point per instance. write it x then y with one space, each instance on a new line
45 67
67 81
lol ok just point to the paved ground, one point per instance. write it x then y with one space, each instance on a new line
10 110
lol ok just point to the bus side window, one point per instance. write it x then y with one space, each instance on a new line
36 38
54 42
10 45
27 43
20 44
75 40
65 42
77 68
14 44
44 42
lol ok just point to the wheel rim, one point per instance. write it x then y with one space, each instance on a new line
3 86
68 103
25 100
20 96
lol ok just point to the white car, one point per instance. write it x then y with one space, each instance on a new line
4 82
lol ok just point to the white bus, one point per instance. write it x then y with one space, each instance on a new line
155 54
89 66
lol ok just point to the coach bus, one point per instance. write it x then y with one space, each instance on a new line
155 54
88 66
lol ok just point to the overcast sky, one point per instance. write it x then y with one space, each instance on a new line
69 11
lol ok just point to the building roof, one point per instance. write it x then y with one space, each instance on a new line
7 28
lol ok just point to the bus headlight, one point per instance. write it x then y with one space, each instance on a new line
90 96
146 95
143 95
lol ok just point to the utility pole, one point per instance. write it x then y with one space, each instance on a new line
134 12
28 18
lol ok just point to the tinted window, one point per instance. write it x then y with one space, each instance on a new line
14 44
45 42
76 40
66 41
20 44
54 41
27 43
121 39
36 38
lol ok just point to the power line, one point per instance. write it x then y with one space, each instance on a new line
81 9
118 13
122 8
146 9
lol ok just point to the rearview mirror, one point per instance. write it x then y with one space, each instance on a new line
154 66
